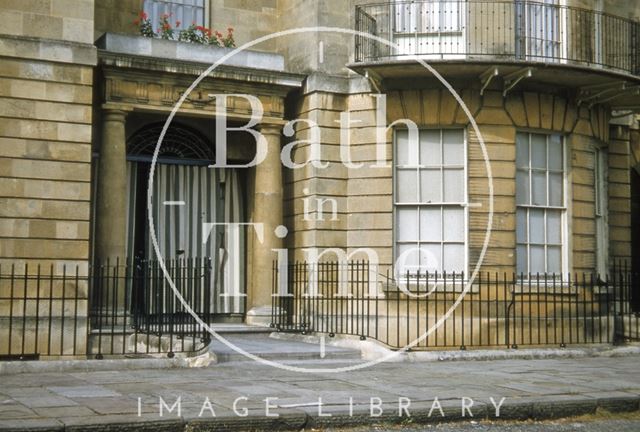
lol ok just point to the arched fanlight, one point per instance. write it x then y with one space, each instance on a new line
180 141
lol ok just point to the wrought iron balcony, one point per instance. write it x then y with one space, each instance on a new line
501 31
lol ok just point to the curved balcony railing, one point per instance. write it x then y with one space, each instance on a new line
502 30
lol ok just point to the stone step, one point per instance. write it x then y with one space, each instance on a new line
262 346
188 329
240 329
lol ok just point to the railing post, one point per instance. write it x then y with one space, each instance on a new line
358 38
206 315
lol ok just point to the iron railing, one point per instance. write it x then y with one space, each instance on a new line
511 31
112 309
420 310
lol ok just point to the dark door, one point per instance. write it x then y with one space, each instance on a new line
635 239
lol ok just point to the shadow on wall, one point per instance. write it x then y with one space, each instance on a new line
635 233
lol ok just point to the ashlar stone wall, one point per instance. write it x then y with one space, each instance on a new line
365 195
46 82
46 95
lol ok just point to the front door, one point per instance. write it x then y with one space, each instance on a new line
635 239
191 203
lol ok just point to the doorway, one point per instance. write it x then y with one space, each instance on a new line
635 239
190 204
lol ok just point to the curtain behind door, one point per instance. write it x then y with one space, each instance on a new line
209 196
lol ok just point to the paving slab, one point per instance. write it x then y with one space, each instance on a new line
86 391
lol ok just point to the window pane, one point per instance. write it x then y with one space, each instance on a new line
453 258
430 152
521 258
536 226
522 188
406 223
200 16
554 227
405 154
537 259
431 257
430 224
453 185
538 151
554 259
431 185
555 190
539 188
407 258
522 150
555 152
453 143
186 11
453 225
521 225
407 186
451 15
403 17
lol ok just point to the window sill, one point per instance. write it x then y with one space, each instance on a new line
445 286
185 51
547 288
431 33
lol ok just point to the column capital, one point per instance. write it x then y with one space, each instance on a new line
270 129
114 115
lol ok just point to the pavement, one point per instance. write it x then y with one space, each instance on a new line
239 394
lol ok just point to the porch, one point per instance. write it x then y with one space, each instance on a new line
163 186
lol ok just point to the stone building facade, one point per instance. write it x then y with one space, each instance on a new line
551 85
48 65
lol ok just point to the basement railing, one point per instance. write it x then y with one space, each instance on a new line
113 309
433 310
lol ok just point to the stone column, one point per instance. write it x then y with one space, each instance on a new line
111 208
267 210
619 189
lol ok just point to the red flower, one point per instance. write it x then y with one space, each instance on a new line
166 26
143 15
218 34
178 23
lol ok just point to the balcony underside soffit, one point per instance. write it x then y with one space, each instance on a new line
587 85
